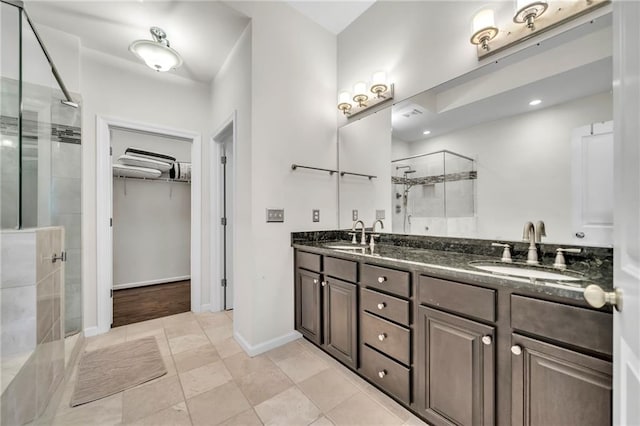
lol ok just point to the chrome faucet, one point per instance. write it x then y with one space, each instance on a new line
534 235
363 238
529 234
372 241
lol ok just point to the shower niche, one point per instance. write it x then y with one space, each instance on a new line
434 194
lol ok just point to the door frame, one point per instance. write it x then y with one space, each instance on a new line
104 209
216 207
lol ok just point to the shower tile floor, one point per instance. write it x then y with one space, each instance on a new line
211 381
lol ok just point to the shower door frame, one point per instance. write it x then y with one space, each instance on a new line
104 214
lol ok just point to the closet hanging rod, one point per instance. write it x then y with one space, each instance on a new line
296 166
358 174
152 179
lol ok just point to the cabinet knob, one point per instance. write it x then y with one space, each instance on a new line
324 283
382 279
315 281
382 305
382 373
487 340
516 349
382 336
597 297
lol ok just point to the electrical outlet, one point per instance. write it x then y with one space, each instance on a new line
316 215
354 215
380 214
275 215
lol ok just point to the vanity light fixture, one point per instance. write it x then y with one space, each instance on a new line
535 102
527 12
484 28
156 53
537 16
380 87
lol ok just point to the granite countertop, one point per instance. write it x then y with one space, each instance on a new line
455 265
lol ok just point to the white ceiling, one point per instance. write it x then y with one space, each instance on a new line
203 32
334 16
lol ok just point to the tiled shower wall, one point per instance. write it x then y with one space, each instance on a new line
31 293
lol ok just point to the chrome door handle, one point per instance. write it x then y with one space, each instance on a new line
516 349
487 340
382 373
382 279
597 297
382 336
382 305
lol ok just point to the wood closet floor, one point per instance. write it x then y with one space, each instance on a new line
154 301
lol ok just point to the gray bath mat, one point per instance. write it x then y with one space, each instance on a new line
110 370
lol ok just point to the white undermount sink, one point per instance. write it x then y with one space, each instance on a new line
346 247
527 271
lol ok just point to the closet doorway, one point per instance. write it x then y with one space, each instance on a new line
151 225
149 222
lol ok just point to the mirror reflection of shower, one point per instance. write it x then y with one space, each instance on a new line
434 192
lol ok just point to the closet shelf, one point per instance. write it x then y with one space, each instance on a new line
153 180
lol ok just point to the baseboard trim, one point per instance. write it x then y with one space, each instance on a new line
253 350
91 331
151 282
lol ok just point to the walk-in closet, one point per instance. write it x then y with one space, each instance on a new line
151 225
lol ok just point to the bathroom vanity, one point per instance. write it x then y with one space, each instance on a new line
457 344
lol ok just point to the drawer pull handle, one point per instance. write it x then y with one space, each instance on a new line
382 279
315 281
486 340
382 336
382 373
516 349
382 305
324 283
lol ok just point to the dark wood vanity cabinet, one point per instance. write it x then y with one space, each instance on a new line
308 309
456 366
340 320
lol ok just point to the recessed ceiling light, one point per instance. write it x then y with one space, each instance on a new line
535 102
426 132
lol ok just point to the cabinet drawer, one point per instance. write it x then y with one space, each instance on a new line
387 337
385 306
466 299
339 268
395 377
575 326
308 261
385 279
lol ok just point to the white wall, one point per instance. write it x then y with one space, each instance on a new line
293 83
117 88
151 218
365 147
524 166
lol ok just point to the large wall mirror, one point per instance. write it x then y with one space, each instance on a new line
526 139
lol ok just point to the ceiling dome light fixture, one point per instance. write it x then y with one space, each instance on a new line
156 53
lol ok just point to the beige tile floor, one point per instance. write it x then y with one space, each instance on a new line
211 381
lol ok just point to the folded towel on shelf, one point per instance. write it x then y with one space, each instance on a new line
133 171
137 152
132 160
180 171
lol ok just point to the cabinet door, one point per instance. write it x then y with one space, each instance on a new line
456 365
340 320
309 305
556 386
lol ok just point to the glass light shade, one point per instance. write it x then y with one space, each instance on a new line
156 55
483 19
379 77
344 98
360 88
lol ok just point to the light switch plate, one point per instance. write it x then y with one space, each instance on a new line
316 215
354 214
380 214
275 215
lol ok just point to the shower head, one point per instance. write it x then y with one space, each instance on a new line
409 171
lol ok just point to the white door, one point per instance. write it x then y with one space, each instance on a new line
592 180
626 332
